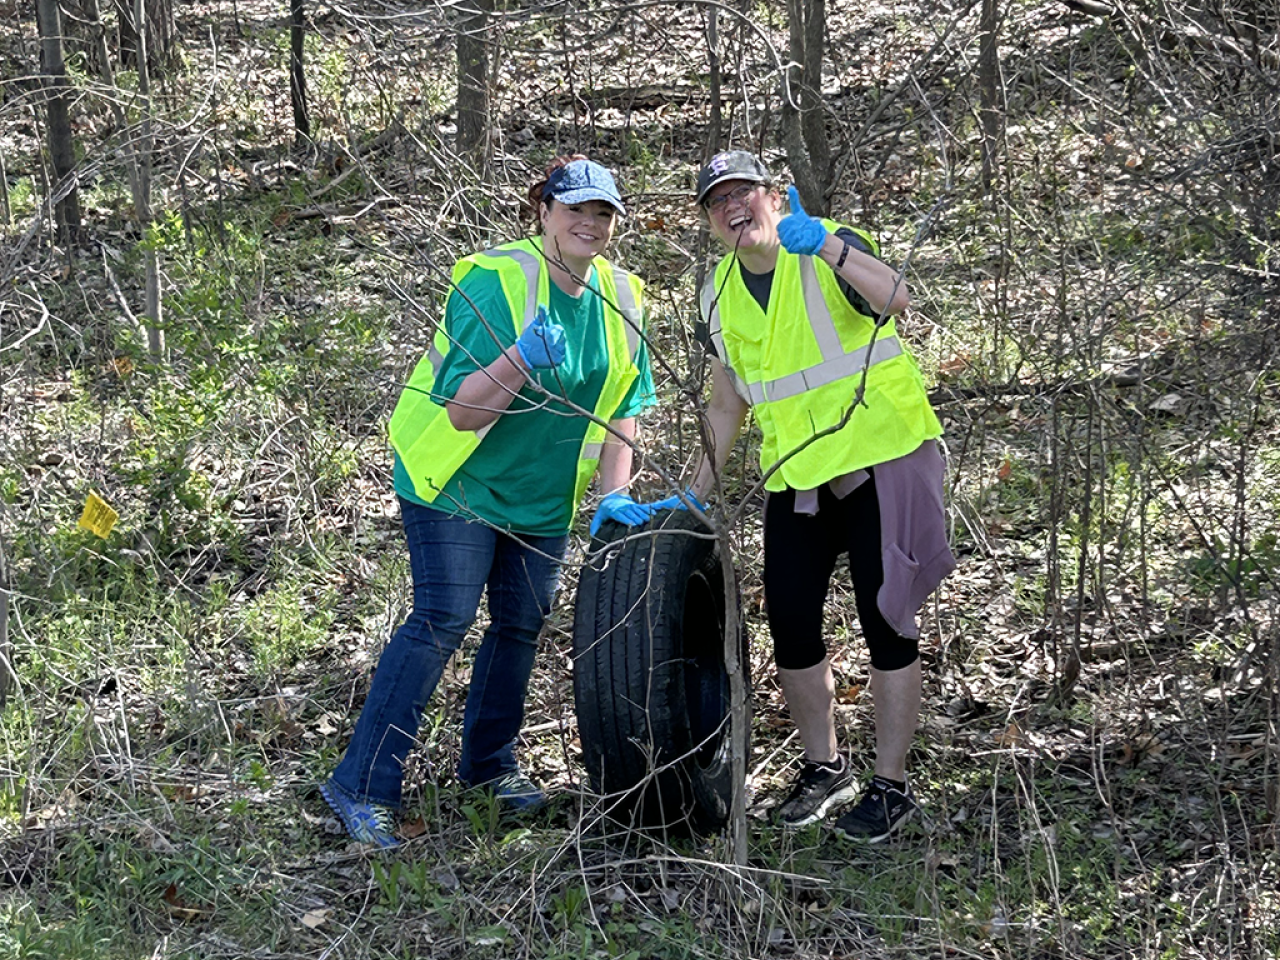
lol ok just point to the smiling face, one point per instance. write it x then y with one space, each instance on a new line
577 233
744 216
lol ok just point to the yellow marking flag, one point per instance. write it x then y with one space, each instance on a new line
98 517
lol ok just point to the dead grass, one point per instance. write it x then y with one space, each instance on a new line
1097 759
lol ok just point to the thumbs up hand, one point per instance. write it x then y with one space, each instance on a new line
799 232
542 344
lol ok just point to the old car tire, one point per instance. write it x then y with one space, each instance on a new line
649 678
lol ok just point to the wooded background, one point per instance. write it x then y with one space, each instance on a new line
226 234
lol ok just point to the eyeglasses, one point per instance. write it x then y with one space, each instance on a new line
737 195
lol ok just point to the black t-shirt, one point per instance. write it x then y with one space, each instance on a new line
760 284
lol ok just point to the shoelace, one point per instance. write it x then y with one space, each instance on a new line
380 816
373 825
881 791
812 773
878 797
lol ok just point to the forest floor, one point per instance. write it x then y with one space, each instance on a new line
1097 759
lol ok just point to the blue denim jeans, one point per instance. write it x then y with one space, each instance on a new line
453 560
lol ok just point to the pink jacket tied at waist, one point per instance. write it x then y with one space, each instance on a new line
913 531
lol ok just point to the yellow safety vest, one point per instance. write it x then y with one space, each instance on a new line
799 366
428 444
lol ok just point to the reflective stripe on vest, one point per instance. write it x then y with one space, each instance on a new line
421 432
629 309
835 364
711 311
803 384
530 265
828 371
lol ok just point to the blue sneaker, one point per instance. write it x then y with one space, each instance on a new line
516 793
365 822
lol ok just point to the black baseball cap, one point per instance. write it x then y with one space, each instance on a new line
731 165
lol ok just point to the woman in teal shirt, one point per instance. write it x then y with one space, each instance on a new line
499 521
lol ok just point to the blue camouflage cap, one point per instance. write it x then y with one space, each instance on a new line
580 181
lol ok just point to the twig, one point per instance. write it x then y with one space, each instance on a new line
44 317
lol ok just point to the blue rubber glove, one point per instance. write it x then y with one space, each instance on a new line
799 232
676 503
542 343
620 507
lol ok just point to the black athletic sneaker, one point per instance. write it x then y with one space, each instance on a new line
882 810
817 789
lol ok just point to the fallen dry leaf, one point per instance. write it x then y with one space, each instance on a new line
410 829
849 694
1011 736
180 909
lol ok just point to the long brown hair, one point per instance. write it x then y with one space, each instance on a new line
533 200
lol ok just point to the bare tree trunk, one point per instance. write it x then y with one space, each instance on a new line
6 214
138 168
715 134
297 78
94 15
64 191
812 116
151 46
804 132
739 720
152 316
475 139
989 88
7 672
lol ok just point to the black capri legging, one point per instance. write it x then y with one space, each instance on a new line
800 553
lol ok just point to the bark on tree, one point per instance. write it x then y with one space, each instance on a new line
102 57
812 116
715 135
138 167
297 78
62 154
474 125
6 214
738 718
804 133
152 311
155 43
989 88
7 674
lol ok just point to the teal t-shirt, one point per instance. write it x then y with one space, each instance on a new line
521 477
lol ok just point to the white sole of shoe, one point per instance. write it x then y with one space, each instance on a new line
843 795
